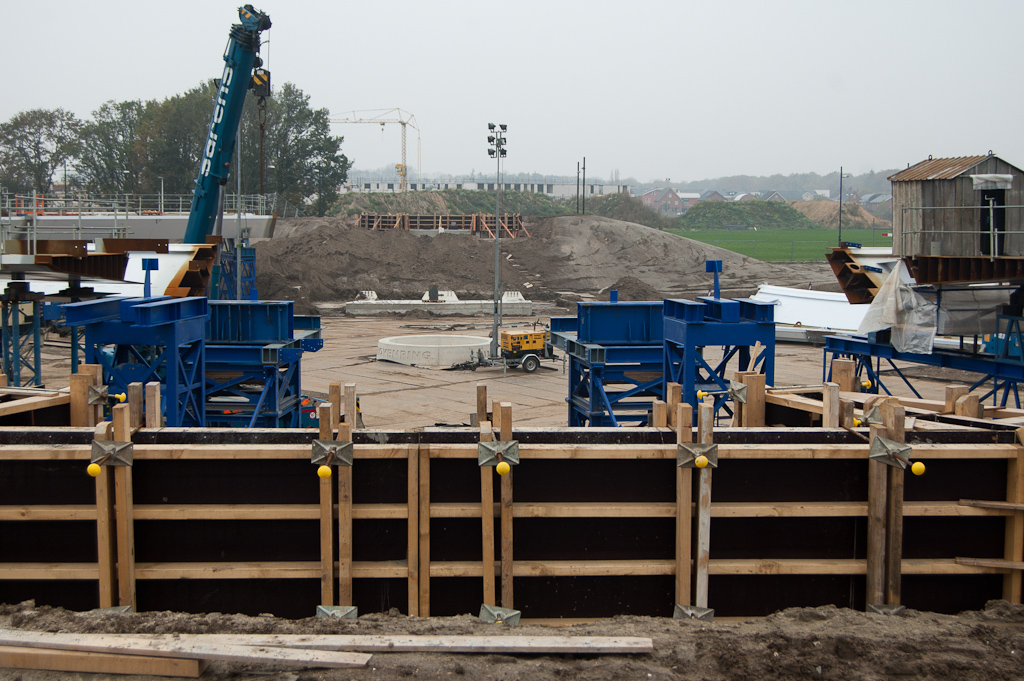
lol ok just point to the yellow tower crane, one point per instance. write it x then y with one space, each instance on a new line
383 117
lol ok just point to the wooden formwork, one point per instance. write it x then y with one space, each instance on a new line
511 223
591 522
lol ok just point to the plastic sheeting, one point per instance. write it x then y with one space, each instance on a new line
899 307
992 181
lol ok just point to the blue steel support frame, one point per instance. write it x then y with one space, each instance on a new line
22 342
617 346
149 339
1004 369
734 325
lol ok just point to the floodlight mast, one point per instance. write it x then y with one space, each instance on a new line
496 150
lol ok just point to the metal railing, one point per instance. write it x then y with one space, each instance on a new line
996 237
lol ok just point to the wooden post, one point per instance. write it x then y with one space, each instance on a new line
659 414
830 405
124 509
1014 545
953 393
705 419
496 415
106 525
351 415
334 396
424 529
481 403
684 509
82 413
877 485
154 416
487 518
506 512
345 517
3 380
96 371
673 396
846 411
843 373
894 416
413 531
753 410
134 396
968 405
326 516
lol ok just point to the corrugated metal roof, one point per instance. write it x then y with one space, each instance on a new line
938 169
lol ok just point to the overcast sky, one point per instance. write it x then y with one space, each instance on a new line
654 89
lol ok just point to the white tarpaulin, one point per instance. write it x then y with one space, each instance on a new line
992 181
899 307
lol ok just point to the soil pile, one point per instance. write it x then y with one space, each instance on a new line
826 213
799 643
572 254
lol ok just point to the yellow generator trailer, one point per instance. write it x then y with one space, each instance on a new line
525 349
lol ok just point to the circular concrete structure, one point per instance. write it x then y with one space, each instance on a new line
431 350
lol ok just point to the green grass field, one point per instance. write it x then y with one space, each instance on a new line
795 245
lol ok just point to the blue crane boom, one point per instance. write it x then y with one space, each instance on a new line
240 57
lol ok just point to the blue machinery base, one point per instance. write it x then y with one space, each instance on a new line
219 363
622 354
1004 367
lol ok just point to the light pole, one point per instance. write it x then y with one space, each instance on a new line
496 150
161 178
841 176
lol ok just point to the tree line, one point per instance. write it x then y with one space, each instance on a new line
127 147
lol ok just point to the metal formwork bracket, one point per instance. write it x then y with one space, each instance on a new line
331 453
346 612
491 453
687 453
98 394
492 614
738 391
889 452
692 612
873 416
112 453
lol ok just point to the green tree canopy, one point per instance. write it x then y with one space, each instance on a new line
33 144
113 153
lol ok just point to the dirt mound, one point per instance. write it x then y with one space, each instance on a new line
631 288
826 213
799 643
575 254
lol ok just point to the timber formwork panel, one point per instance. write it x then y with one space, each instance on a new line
228 520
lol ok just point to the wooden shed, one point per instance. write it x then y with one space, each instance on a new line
961 215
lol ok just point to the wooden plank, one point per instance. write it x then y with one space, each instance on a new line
507 566
593 645
969 405
135 396
33 403
952 394
124 500
846 411
48 571
659 414
412 508
797 402
830 406
753 410
705 416
351 417
154 407
1013 546
787 566
81 413
481 403
673 398
48 512
304 569
424 530
326 515
594 568
584 509
843 373
877 486
487 517
126 645
334 397
1012 566
253 511
684 509
344 474
894 417
106 525
98 663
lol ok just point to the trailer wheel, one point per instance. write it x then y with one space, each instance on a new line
530 363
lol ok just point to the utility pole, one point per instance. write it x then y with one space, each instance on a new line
577 187
584 185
